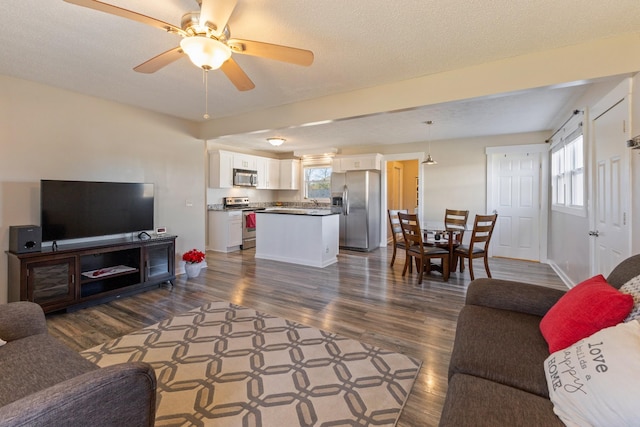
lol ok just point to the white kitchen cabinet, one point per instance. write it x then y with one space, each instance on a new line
225 231
262 166
356 162
290 174
220 169
268 173
273 172
245 161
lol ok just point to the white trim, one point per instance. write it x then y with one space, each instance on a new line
517 149
543 149
562 275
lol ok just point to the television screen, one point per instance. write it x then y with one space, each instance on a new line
78 209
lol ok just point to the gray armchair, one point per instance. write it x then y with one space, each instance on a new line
46 383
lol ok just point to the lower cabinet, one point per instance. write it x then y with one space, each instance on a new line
79 275
50 281
159 262
225 231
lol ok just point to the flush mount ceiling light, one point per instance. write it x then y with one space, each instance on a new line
429 160
205 52
276 142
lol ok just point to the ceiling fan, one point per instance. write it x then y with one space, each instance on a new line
206 40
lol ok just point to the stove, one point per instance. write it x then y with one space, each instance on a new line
248 219
234 203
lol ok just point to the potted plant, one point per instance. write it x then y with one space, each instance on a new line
193 262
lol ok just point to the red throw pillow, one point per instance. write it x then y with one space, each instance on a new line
584 310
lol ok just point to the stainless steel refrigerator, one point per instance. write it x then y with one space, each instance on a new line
356 196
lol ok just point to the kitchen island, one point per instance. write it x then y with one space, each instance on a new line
298 236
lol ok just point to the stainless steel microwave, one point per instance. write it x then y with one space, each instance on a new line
245 178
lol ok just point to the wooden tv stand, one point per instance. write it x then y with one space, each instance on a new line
78 275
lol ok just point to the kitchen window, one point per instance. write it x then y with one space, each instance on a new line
568 173
317 182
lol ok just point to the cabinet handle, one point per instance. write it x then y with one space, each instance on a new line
73 278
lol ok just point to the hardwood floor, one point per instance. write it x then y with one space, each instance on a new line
360 297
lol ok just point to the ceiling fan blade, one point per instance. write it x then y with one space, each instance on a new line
125 13
160 61
237 76
217 12
272 51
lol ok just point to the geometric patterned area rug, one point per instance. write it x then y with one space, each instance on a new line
227 365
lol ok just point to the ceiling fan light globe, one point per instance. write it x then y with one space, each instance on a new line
205 52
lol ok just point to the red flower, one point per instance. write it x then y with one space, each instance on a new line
193 256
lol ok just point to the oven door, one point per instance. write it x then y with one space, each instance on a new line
248 229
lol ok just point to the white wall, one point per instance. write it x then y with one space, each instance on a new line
459 180
568 240
48 133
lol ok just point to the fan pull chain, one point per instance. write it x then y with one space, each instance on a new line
205 77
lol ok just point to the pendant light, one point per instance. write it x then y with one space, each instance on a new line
429 160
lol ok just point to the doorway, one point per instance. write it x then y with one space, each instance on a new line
402 191
401 178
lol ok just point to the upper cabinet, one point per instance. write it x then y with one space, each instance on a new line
290 174
356 162
220 169
273 174
245 161
268 173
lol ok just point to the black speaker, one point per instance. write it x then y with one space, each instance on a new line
25 238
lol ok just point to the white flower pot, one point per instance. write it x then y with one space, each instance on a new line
192 269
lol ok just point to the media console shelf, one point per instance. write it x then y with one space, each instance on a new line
78 275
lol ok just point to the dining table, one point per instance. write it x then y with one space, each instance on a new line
446 237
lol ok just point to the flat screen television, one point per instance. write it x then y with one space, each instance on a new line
81 209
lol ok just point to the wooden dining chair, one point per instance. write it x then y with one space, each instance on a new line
479 244
456 220
415 248
396 231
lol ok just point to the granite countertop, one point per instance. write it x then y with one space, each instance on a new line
294 206
298 211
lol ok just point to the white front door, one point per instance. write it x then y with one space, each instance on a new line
515 196
611 185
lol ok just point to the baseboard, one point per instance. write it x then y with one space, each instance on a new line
565 279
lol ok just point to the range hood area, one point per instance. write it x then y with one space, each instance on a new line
231 170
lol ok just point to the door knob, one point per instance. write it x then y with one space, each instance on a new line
594 233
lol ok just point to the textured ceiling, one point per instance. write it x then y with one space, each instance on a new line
357 44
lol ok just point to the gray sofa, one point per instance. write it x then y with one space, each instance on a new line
43 382
496 375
